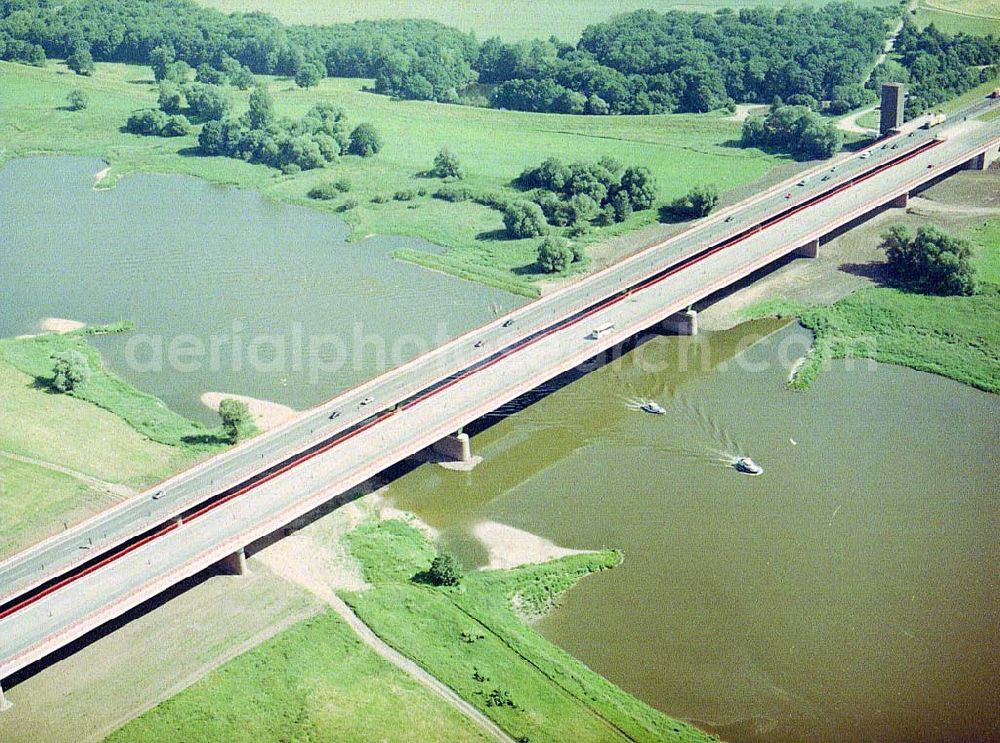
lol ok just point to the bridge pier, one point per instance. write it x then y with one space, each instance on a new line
454 448
809 250
4 702
979 162
234 564
682 323
900 201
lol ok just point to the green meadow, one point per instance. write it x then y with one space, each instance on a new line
493 147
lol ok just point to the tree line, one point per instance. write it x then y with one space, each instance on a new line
642 62
936 66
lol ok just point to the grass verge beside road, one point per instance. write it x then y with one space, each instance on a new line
471 639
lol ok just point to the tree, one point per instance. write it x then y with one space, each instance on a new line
933 261
446 165
445 570
169 98
81 61
261 112
308 76
207 74
554 255
235 418
365 140
160 58
524 219
71 369
639 185
77 99
207 102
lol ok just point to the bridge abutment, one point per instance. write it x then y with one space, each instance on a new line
234 564
4 702
809 250
682 323
900 202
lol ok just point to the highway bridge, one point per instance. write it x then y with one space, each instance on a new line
66 586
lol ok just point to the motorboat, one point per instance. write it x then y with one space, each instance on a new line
747 466
651 406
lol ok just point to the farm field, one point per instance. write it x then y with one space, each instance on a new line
977 17
511 20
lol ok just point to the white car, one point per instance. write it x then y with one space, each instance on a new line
368 401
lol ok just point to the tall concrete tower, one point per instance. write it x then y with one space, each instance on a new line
893 97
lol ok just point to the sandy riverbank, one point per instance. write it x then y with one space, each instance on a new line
60 325
266 414
509 547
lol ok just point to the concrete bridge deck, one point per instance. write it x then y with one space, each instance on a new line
268 482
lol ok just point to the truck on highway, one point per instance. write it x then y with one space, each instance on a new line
601 330
935 120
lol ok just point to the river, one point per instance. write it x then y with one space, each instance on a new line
849 593
229 291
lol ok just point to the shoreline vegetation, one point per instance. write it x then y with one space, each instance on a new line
473 637
953 336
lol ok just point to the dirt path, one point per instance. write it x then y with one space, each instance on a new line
309 573
850 123
116 489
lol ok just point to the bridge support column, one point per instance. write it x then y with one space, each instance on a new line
455 448
809 250
683 323
979 162
4 702
900 202
234 564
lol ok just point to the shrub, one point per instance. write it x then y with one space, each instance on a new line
406 195
323 192
445 570
446 165
342 184
352 204
524 219
365 140
697 202
554 255
77 100
380 198
454 194
71 369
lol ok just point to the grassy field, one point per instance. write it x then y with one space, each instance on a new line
512 19
956 337
978 17
146 414
66 444
471 638
493 146
314 681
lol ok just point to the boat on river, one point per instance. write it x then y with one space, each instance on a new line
653 407
747 466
